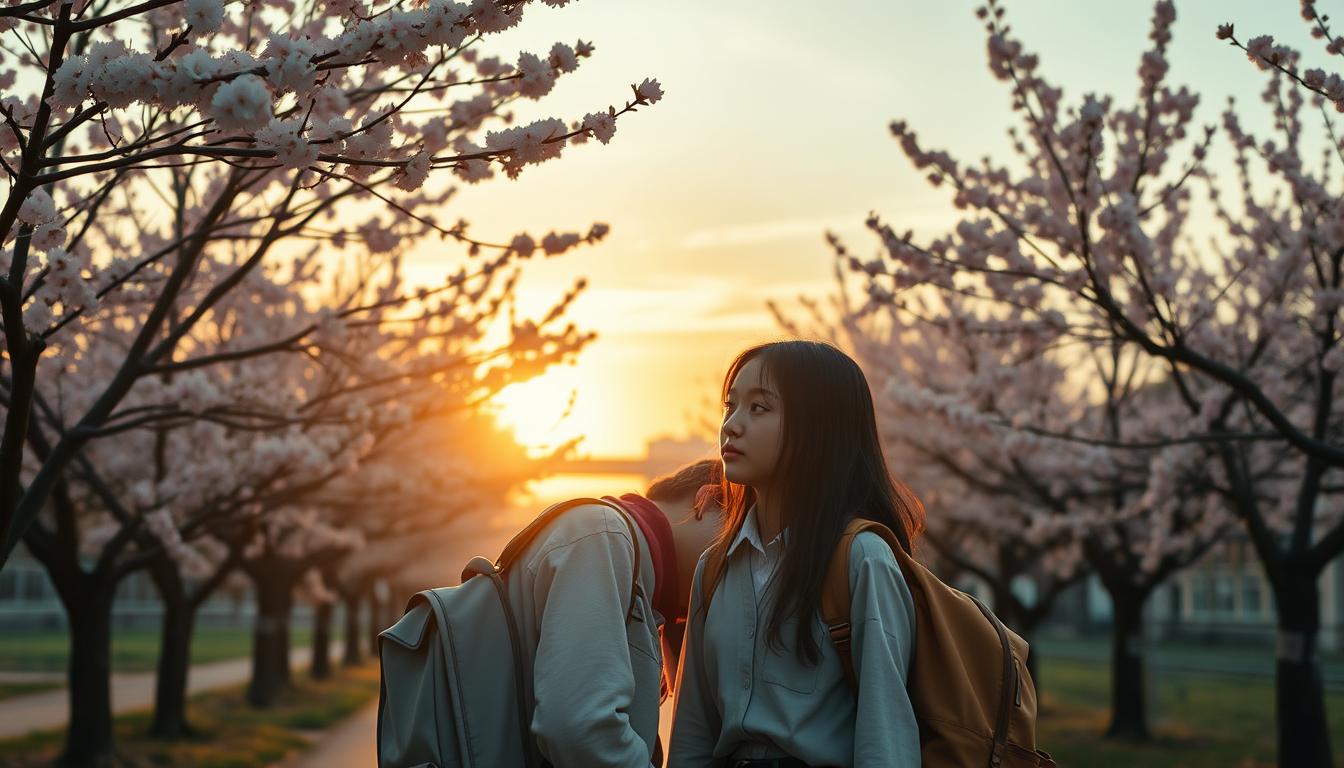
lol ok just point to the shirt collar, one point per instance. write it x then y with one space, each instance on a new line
751 533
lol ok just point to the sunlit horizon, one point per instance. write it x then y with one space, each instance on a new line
773 131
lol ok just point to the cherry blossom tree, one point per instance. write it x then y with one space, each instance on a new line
1016 436
258 128
937 386
1090 230
1059 499
999 503
199 465
163 161
218 468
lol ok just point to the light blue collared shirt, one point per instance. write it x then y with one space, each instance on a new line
737 697
764 558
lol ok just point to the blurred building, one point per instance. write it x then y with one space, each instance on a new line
666 454
28 601
1224 598
663 455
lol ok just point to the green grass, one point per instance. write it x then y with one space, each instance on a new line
1184 655
1197 721
19 689
132 650
230 734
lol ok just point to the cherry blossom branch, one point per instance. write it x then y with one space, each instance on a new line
102 21
26 507
11 11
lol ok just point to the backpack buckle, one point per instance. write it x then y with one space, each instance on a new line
839 632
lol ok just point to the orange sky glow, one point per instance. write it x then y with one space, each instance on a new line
773 131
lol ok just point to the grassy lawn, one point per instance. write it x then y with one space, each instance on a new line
1184 655
132 650
231 734
19 689
1198 721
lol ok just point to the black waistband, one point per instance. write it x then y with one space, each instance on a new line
768 762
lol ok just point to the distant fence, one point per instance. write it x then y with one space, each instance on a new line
1231 661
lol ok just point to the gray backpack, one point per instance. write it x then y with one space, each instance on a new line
452 695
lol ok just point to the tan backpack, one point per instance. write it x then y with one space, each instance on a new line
968 681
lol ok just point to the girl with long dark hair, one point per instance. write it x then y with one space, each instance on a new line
761 685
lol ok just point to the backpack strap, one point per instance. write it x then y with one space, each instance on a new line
835 596
522 687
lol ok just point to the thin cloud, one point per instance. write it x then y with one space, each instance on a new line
924 218
781 229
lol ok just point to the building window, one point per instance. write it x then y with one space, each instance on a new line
1225 596
1252 596
133 589
1175 601
34 587
9 585
1201 593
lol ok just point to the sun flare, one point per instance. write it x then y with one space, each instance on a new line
540 412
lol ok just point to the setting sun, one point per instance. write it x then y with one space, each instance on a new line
540 412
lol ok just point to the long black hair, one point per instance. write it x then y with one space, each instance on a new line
830 470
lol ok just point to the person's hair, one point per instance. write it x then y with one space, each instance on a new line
699 481
830 470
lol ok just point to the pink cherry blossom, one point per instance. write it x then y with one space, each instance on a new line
37 209
242 104
414 173
289 64
285 137
563 58
204 15
536 77
649 91
602 125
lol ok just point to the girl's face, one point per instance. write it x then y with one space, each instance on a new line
752 430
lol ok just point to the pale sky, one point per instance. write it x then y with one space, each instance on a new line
773 130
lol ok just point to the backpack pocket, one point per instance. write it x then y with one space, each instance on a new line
1017 757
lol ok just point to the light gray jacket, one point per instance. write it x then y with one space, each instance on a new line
597 680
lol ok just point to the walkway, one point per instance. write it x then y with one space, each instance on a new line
48 710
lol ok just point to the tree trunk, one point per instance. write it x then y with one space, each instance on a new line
174 665
1304 740
375 622
1019 618
1129 717
352 631
321 668
1027 631
180 605
270 639
87 599
88 739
